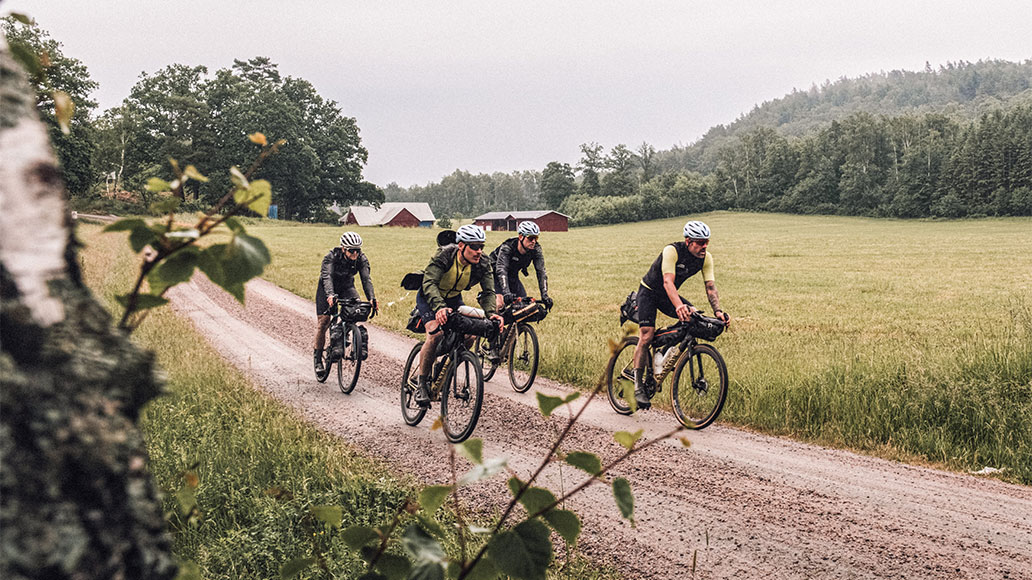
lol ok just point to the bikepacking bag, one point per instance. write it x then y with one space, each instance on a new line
476 326
670 335
705 327
364 353
629 309
532 312
336 341
415 323
355 311
412 280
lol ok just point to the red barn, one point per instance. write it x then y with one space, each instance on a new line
547 220
410 215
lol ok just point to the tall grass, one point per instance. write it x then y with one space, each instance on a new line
908 338
260 467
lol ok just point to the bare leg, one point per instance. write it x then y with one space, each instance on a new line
320 332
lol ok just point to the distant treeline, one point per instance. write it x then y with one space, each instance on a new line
952 143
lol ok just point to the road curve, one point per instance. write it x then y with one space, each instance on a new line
741 505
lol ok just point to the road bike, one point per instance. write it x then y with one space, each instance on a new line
456 380
348 342
518 344
699 388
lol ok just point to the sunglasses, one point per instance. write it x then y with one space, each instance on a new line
531 238
700 242
476 247
351 250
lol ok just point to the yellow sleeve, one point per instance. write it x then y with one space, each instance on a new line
707 268
669 260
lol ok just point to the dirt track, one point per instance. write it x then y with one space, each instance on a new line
751 506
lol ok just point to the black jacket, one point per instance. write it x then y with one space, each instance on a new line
507 261
338 273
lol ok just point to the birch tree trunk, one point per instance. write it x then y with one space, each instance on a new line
76 499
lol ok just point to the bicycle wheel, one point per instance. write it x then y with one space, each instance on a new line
349 364
327 364
410 411
699 394
620 376
523 358
462 397
480 349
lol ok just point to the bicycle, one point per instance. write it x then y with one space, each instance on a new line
456 380
348 343
696 401
519 344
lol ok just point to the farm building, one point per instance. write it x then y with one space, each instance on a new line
409 215
547 220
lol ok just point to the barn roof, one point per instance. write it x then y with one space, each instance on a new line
368 216
525 215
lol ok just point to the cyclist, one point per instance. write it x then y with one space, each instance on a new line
517 254
454 268
658 291
337 279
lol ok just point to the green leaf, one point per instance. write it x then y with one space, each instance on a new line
484 470
587 461
514 485
624 498
566 523
433 496
157 185
331 515
628 439
547 404
685 441
141 237
234 225
472 449
484 570
536 499
245 258
178 267
393 566
166 204
192 173
143 301
259 197
125 225
22 18
430 524
422 547
295 567
572 397
358 536
237 178
523 552
187 500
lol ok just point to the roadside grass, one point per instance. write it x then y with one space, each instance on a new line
911 339
260 467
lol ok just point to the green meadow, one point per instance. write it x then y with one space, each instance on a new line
260 468
907 339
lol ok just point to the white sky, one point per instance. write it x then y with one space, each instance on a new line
488 86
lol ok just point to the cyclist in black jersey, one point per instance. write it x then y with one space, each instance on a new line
658 291
337 279
514 255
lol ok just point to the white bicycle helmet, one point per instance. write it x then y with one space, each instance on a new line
470 234
696 230
350 240
528 228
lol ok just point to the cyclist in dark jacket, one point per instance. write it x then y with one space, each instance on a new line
514 255
337 279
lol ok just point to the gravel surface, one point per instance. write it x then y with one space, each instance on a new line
740 505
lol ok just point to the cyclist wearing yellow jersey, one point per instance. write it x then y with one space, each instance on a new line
454 268
658 291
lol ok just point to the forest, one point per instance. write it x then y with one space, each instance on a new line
949 142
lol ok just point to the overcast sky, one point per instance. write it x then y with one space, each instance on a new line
489 86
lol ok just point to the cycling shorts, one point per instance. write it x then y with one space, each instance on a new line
322 308
427 313
649 302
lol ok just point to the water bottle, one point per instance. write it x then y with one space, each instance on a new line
657 362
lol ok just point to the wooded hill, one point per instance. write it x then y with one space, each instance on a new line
951 142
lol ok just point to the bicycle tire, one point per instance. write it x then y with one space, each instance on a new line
462 397
623 386
697 403
410 411
480 349
524 351
350 364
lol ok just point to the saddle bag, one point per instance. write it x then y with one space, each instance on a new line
415 323
629 309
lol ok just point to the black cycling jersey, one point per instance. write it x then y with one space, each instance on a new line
337 277
687 266
508 261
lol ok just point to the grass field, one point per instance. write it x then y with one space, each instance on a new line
260 467
909 339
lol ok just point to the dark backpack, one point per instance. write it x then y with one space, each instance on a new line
629 309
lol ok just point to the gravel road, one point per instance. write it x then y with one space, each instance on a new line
742 505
